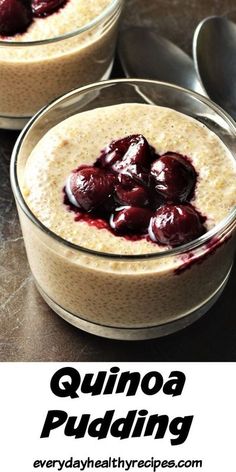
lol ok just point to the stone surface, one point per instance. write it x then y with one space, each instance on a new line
29 330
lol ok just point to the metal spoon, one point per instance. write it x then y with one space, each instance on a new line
214 52
145 54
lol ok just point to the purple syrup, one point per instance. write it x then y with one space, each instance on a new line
98 221
189 259
132 191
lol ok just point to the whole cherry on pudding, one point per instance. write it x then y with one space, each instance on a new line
114 152
89 187
15 17
136 161
175 225
131 220
46 7
131 156
174 176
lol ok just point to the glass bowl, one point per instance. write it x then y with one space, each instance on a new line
36 72
114 295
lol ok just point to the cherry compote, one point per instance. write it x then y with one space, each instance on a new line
135 191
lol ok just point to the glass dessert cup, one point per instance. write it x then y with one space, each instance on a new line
36 72
126 296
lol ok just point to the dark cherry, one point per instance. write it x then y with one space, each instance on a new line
131 220
125 181
15 17
133 192
46 7
128 192
131 156
136 196
175 177
137 159
91 186
106 208
113 152
155 199
175 225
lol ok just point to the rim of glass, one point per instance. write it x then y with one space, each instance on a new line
105 13
206 237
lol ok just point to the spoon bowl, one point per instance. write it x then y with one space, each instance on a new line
214 53
145 54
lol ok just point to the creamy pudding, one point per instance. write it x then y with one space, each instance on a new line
118 292
42 62
70 144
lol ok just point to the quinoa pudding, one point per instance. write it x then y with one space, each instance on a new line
120 292
66 47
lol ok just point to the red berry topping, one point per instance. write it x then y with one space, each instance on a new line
113 152
91 187
15 17
131 156
175 225
135 196
175 177
136 160
131 220
130 193
126 190
46 7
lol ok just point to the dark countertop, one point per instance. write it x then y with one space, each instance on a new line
29 330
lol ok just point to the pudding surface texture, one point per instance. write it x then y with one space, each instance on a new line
80 139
